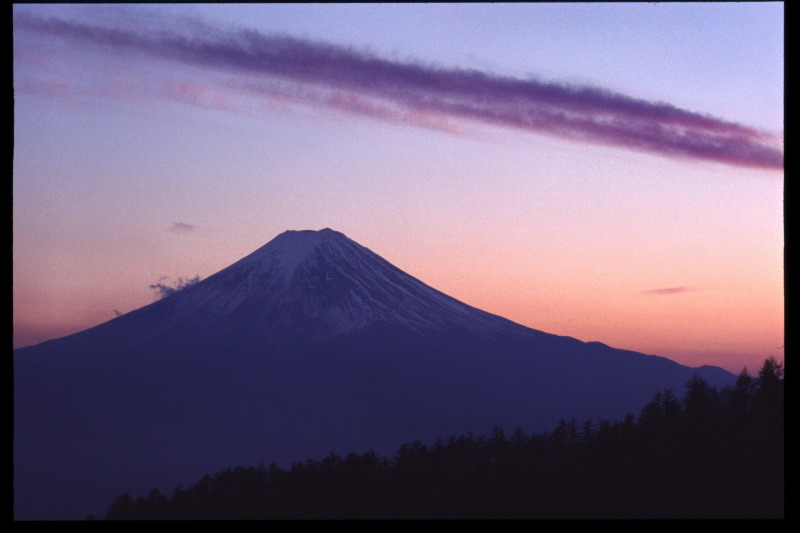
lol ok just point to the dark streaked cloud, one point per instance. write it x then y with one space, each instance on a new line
669 290
360 82
181 227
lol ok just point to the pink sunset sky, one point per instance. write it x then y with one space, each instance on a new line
610 172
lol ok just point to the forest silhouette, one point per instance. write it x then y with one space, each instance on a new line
707 454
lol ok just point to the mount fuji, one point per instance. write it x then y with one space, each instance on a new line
312 344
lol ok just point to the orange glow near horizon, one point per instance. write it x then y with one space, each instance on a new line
545 206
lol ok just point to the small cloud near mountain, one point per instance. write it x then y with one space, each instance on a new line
181 227
163 290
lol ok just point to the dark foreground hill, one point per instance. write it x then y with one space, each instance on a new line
310 345
711 454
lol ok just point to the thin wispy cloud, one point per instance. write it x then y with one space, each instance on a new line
669 290
359 82
41 87
181 227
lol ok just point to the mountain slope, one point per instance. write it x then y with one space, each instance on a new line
311 344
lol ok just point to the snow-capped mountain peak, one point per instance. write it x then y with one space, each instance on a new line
326 282
292 247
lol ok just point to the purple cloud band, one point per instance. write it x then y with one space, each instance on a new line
588 114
